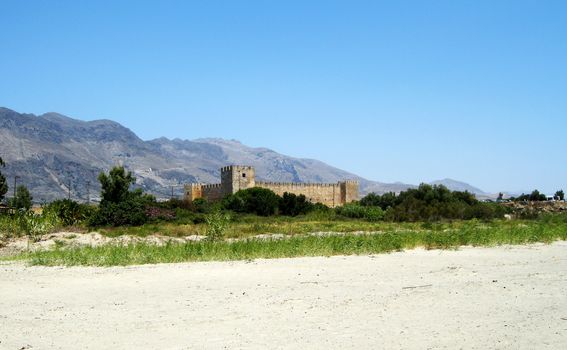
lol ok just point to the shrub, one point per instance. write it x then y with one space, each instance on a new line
35 225
217 223
175 203
120 206
357 211
293 205
69 212
130 212
259 201
157 213
321 212
384 201
200 205
535 196
431 203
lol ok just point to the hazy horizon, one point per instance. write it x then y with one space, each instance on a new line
394 92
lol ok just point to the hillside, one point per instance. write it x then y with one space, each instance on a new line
52 152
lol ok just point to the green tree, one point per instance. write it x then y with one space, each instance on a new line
536 196
3 183
23 199
256 200
384 201
119 206
560 195
293 205
115 185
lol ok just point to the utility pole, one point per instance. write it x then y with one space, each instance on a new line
15 183
69 188
88 192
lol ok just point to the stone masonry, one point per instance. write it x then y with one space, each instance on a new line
236 177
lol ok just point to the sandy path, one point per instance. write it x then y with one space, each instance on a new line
474 298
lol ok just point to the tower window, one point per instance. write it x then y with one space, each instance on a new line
243 174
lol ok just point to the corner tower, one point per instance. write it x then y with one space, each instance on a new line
237 177
349 191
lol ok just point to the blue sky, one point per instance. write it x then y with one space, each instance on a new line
405 91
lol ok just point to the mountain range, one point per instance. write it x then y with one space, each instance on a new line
56 156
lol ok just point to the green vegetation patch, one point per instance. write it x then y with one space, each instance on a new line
475 234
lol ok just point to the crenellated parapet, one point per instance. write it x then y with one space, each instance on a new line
296 184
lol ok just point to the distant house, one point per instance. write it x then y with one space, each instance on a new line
4 209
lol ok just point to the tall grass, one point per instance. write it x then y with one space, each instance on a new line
469 233
27 223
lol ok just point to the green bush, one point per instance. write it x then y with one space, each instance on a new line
217 223
35 225
120 206
128 212
535 196
70 212
357 211
175 203
10 226
201 205
259 201
292 205
384 201
321 212
432 203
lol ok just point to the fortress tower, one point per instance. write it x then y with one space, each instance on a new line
237 177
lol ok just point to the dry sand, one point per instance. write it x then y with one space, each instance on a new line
473 298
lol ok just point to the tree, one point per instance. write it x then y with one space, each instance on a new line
119 206
3 183
115 185
256 200
536 196
293 205
23 199
500 197
560 195
384 201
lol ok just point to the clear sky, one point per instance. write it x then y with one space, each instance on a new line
405 91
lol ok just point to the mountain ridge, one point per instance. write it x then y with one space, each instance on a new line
54 154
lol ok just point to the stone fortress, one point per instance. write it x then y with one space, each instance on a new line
236 177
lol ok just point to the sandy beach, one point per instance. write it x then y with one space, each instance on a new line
472 298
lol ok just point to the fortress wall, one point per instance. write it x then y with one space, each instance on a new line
349 191
193 191
328 194
212 192
236 177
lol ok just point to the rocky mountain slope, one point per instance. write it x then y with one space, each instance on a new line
55 155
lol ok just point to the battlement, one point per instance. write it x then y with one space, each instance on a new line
295 184
232 167
206 186
194 185
350 181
